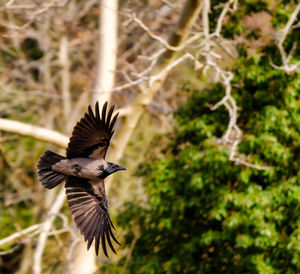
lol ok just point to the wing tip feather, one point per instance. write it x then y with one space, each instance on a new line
92 219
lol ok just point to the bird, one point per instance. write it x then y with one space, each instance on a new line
84 169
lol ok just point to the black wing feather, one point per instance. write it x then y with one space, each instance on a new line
97 240
103 239
109 241
89 208
92 232
109 116
113 122
104 113
97 111
112 235
91 135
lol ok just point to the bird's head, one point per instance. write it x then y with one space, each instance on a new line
109 169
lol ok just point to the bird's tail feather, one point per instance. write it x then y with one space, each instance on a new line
48 177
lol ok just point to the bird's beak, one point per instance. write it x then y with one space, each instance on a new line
112 168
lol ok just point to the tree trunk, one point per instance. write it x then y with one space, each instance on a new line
137 105
107 55
83 261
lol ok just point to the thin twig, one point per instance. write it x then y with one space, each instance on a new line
133 18
233 134
19 234
282 34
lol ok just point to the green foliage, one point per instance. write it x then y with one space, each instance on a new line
206 215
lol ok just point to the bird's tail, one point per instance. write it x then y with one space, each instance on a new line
48 177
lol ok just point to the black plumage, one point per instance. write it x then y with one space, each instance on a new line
92 132
47 176
84 169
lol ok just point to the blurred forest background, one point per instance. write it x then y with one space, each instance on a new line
209 130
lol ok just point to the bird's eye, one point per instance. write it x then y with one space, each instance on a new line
77 167
101 167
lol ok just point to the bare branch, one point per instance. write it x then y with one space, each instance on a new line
32 15
282 34
30 232
233 134
39 133
45 228
9 3
65 76
158 38
223 14
19 234
205 18
151 34
21 7
175 63
11 250
135 109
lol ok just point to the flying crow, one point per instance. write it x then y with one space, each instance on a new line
84 170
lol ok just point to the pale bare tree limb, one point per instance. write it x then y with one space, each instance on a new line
19 234
151 79
81 260
33 15
11 250
45 228
21 7
225 10
281 36
65 76
9 3
107 51
76 108
30 232
136 106
284 32
233 134
36 132
133 18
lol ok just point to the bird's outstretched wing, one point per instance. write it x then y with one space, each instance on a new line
89 208
91 135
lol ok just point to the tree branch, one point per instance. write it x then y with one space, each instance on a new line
282 34
45 228
19 234
65 76
39 133
233 134
147 90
